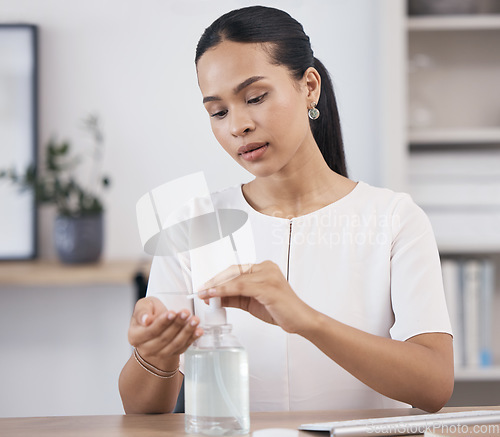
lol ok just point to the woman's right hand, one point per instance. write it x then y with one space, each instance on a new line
161 335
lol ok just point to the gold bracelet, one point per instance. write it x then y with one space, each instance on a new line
152 369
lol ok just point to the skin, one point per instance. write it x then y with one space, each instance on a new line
160 336
249 99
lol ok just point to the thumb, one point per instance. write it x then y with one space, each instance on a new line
144 311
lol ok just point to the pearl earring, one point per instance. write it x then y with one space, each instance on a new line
313 112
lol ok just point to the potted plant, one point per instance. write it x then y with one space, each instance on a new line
78 227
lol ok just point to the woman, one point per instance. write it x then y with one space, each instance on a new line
345 306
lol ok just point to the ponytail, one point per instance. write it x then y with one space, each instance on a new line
326 129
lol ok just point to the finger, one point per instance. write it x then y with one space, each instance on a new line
226 275
143 311
247 285
184 336
232 302
163 331
175 339
146 309
144 333
235 302
198 332
180 322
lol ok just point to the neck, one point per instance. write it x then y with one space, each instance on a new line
302 186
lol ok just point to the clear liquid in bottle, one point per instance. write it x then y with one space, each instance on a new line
216 385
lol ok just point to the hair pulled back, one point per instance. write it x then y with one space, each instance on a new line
290 47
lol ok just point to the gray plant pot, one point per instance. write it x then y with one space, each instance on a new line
440 7
79 239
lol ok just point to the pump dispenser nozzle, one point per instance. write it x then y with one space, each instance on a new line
215 314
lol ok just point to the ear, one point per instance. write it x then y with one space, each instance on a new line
312 81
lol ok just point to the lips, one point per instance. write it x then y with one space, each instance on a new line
250 147
253 152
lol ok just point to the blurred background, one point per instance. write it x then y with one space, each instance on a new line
417 85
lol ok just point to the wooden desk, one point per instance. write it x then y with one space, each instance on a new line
172 425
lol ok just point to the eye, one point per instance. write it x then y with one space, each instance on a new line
257 99
220 114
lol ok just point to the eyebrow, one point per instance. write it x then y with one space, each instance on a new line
236 89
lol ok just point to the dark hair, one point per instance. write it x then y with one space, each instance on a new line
291 48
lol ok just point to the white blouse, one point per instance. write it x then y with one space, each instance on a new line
368 260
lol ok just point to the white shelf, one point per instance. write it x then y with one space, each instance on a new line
450 67
478 374
454 136
52 273
468 248
456 22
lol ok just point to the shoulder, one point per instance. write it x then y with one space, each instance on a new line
386 199
398 207
382 197
230 197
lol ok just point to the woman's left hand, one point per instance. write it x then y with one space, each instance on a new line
264 292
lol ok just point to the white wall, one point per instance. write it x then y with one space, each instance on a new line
131 61
63 349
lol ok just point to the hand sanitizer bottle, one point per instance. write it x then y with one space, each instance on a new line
216 380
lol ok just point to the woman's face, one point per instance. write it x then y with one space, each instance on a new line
258 112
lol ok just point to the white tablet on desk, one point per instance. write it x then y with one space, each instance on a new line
405 425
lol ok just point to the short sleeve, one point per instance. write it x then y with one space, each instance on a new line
170 274
167 282
417 294
170 281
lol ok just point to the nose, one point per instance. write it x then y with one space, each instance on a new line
241 123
